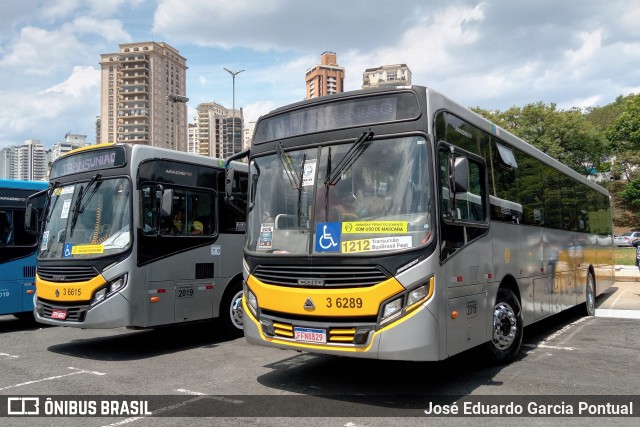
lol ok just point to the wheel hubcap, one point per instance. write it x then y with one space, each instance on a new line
590 297
236 311
505 326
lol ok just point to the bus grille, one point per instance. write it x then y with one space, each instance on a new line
334 335
67 274
332 276
75 313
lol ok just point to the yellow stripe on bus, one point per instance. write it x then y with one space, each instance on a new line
68 291
310 347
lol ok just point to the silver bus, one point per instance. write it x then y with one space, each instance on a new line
394 223
136 236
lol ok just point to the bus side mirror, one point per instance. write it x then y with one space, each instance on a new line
461 174
228 184
31 220
166 204
32 214
229 196
158 201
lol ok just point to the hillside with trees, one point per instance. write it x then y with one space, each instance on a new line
597 141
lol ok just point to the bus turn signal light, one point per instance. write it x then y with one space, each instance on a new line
454 314
154 299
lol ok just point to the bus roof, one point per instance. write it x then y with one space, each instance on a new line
23 184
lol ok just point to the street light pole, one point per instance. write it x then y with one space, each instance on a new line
233 109
174 99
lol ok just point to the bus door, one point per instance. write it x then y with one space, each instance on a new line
465 254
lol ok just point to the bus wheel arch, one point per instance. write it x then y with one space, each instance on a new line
507 325
231 312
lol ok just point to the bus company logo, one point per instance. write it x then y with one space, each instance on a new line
313 283
23 406
177 172
59 279
309 305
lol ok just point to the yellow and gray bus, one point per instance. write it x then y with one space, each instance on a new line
136 236
394 223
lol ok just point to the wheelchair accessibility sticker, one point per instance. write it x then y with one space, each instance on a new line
68 248
328 236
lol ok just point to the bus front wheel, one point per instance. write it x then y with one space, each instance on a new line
231 311
590 303
507 328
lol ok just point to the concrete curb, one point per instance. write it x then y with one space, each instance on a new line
627 273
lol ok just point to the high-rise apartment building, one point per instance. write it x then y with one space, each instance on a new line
219 130
325 78
193 137
27 161
397 74
135 84
71 142
8 159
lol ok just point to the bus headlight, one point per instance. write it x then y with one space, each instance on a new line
417 295
252 301
110 288
391 310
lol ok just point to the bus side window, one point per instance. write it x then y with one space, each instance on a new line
6 229
463 214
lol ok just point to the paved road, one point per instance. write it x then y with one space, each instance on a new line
567 355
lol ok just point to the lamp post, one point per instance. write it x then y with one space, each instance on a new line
233 109
173 99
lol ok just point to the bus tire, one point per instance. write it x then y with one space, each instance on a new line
590 300
507 328
231 311
26 316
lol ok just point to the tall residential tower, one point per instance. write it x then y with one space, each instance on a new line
325 78
136 82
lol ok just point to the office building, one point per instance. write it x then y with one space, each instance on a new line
396 75
135 84
325 78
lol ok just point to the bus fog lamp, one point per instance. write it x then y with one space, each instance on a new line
417 295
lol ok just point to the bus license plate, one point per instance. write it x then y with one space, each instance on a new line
59 314
310 335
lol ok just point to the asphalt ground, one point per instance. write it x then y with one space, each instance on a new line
196 377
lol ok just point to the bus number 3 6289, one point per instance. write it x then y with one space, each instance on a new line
344 302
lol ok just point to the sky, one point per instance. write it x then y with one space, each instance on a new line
492 54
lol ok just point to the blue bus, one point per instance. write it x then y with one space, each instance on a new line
17 248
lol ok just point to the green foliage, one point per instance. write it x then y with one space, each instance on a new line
631 193
567 136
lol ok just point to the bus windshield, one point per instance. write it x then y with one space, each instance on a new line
87 220
303 202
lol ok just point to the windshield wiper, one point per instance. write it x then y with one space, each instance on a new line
287 164
47 213
349 158
304 158
78 207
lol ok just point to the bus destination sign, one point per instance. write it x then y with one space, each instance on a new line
88 161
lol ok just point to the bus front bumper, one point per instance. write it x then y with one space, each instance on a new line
414 337
114 312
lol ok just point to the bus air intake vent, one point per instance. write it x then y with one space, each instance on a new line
204 271
329 276
67 273
29 271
